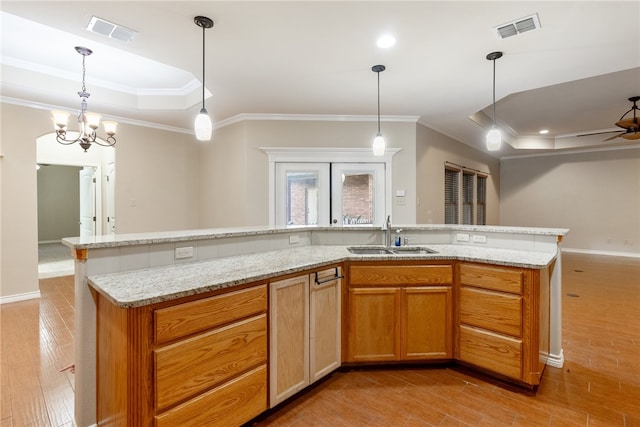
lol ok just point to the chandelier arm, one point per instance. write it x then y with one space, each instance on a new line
110 141
62 140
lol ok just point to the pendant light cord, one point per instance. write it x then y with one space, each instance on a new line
494 93
203 58
378 101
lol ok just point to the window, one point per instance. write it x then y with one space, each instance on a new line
465 196
481 200
451 196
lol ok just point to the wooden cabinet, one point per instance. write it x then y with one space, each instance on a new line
399 312
196 362
305 320
502 322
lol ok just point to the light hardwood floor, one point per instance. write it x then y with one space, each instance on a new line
598 386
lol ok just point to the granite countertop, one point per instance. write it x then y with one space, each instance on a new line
148 286
119 240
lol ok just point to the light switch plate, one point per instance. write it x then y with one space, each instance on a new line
462 237
479 238
184 252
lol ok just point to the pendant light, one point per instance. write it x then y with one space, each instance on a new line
378 141
494 137
203 126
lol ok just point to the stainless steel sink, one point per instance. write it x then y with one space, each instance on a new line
417 250
407 250
369 251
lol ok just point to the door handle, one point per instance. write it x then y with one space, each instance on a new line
329 279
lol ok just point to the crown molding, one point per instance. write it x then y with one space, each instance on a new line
314 118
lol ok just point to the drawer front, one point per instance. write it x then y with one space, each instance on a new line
494 278
498 312
188 367
191 317
494 352
385 275
231 404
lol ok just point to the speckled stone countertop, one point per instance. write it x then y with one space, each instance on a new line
143 287
119 240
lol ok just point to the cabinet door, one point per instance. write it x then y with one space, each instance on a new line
325 325
426 323
289 339
374 324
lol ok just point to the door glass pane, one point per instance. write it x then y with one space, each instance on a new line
357 193
357 198
302 198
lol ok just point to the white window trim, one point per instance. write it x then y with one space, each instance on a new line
328 155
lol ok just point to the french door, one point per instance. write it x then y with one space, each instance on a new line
329 193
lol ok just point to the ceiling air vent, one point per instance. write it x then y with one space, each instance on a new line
518 26
111 30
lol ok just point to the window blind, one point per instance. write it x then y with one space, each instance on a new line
451 196
467 198
481 200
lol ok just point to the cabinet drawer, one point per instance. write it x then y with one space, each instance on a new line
231 404
499 312
385 275
191 317
188 367
494 278
494 352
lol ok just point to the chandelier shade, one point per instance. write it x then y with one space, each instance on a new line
88 123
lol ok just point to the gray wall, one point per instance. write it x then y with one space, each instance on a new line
596 195
58 202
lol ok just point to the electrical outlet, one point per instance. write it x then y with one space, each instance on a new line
479 238
185 252
462 237
294 239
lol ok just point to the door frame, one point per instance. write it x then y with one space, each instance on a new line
326 155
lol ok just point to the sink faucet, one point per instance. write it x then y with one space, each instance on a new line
387 231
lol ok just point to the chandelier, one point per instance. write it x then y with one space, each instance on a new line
88 123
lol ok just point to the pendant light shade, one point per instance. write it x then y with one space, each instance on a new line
494 136
378 142
203 126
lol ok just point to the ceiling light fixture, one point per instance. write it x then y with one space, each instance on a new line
494 137
203 126
544 131
378 141
386 41
88 122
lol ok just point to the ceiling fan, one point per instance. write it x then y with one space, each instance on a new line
631 126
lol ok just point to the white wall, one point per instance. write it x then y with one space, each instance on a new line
596 195
157 180
433 150
237 170
157 170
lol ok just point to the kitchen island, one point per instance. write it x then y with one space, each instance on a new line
137 271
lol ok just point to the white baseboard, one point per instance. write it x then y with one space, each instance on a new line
19 297
556 360
606 253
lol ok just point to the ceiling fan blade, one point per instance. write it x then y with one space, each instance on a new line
614 136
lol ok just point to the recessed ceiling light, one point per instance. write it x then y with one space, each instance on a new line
544 131
386 41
